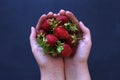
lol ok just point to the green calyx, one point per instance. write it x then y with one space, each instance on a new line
40 35
74 37
42 42
70 27
53 23
59 47
46 47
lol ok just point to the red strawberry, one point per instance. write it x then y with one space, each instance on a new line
73 51
71 27
46 24
67 51
72 40
61 33
62 19
69 41
51 39
41 31
58 36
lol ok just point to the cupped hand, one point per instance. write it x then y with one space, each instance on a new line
84 46
42 59
76 67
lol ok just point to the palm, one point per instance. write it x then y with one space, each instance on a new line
41 58
83 50
44 60
84 46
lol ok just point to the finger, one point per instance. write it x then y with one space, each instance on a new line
72 17
58 14
62 12
83 27
85 30
33 42
41 19
55 15
50 15
39 56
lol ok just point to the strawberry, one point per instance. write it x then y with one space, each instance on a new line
51 39
72 40
62 19
40 33
69 41
61 33
67 51
58 36
49 24
71 27
73 51
46 25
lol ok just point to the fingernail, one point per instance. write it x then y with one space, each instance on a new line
58 13
44 15
50 12
32 28
61 10
81 23
55 14
67 11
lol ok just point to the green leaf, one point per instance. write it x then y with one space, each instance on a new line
46 47
74 37
70 26
59 43
53 24
54 54
59 49
73 28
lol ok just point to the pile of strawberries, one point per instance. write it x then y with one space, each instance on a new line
58 36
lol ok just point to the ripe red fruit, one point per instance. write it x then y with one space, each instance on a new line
61 33
67 51
58 36
41 31
72 40
46 25
73 51
62 19
69 41
51 39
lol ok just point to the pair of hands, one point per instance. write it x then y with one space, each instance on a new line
74 68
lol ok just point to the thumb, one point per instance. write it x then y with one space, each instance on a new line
33 42
85 30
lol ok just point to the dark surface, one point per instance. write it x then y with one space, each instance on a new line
17 16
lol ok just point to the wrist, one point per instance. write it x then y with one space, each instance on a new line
75 62
77 70
52 72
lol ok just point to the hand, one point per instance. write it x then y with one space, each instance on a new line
76 67
51 68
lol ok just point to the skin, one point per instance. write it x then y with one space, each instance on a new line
76 68
52 68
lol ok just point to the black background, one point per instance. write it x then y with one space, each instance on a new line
17 17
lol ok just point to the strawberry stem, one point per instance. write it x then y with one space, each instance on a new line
53 24
59 47
70 26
